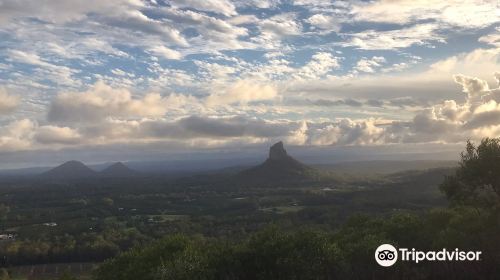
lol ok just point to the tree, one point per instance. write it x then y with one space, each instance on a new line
477 179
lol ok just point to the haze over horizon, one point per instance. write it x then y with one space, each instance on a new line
213 159
125 80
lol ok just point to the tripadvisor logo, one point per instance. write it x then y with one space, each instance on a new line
387 255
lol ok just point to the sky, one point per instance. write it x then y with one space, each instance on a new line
134 79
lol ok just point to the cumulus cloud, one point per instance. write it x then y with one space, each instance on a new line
26 134
320 64
347 132
369 65
423 84
325 22
242 92
7 102
56 135
451 122
479 62
474 87
16 135
268 62
448 122
102 101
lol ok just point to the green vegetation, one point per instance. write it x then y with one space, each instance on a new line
210 227
346 253
477 180
93 220
307 254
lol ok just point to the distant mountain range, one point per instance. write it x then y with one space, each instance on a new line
279 166
77 170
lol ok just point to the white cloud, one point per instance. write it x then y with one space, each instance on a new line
326 22
448 122
102 101
348 132
394 39
298 136
369 65
120 72
214 33
492 39
396 67
474 87
451 120
479 62
8 102
28 58
464 14
280 26
26 134
59 11
241 92
162 78
136 20
243 19
52 46
224 7
261 4
56 135
16 135
321 63
274 69
314 3
165 52
426 87
58 74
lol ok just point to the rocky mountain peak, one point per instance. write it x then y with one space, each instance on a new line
277 151
279 167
